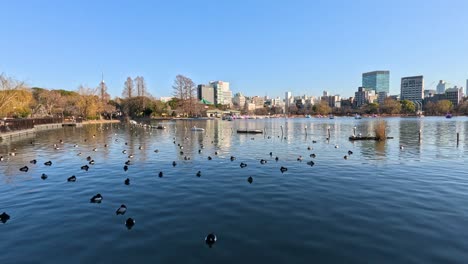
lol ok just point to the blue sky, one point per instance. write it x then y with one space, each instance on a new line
260 47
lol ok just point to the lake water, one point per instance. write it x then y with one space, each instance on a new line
381 205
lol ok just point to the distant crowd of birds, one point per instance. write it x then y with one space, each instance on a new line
211 238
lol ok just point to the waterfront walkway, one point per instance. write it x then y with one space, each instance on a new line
10 131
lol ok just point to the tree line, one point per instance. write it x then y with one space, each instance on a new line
18 100
390 106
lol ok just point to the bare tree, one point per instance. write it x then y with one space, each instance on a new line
140 86
184 90
128 88
50 100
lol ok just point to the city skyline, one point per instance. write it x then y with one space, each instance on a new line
312 48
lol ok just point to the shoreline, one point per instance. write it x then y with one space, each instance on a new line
105 121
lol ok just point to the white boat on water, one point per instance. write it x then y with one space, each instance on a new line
357 116
194 128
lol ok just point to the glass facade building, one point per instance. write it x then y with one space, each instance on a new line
379 81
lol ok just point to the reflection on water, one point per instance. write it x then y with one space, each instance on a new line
377 206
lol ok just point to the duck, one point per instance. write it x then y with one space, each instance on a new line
130 156
186 158
1 158
125 167
44 176
233 158
12 154
127 181
105 145
181 153
130 223
210 239
75 146
262 161
140 147
33 161
25 169
311 163
314 141
312 155
276 159
88 158
160 174
271 154
283 169
85 167
243 165
216 152
174 164
198 173
336 146
199 151
122 209
91 162
124 151
299 158
156 150
79 154
345 157
94 149
72 178
250 179
350 152
309 148
209 158
96 198
4 217
48 163
401 147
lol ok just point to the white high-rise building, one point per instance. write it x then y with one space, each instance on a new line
441 87
412 88
222 93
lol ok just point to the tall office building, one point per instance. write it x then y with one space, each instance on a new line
205 92
379 81
454 95
361 97
412 88
441 87
287 99
222 93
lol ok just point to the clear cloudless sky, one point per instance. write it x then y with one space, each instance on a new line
262 47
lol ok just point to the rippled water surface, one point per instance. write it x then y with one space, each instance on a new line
381 205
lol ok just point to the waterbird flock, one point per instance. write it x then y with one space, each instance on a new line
130 222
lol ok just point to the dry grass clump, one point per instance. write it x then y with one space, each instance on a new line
380 130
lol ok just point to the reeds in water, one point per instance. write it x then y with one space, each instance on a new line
380 130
